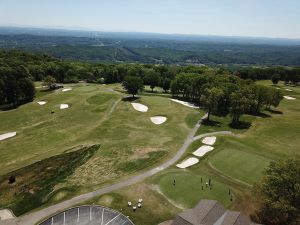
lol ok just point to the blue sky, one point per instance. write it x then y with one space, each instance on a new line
262 18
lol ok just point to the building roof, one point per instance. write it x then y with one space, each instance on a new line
210 212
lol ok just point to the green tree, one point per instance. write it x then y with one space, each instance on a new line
2 92
48 81
210 100
273 98
166 83
275 78
260 96
276 98
12 90
152 78
133 85
279 193
240 102
27 90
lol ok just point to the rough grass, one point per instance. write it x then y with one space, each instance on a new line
155 208
96 115
238 161
36 181
130 166
41 134
124 132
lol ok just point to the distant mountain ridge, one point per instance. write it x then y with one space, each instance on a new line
116 47
12 30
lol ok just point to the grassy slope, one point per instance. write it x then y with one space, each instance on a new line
154 210
41 134
238 161
241 157
125 135
31 189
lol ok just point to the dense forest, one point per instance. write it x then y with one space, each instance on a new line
16 83
18 71
154 50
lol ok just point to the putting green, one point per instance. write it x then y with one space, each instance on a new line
236 162
188 189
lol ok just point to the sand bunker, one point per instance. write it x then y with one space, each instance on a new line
289 98
66 89
6 214
209 140
64 106
288 90
41 102
139 107
203 150
158 119
188 162
188 104
7 135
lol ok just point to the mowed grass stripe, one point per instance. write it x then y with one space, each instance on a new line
188 188
241 165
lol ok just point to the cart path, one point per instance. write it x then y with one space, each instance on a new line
34 217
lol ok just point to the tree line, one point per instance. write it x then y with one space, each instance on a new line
221 94
290 75
16 86
40 67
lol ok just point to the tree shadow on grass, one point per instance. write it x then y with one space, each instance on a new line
241 125
8 107
11 106
261 114
129 99
211 123
47 90
274 111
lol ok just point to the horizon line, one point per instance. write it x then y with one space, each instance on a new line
86 29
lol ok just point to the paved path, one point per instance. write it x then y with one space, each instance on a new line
211 134
33 218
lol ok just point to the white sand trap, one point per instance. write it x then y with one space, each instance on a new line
289 98
158 119
41 102
188 104
288 90
139 107
64 106
6 214
188 162
203 150
66 89
209 140
7 135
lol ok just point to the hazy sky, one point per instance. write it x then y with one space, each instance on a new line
268 18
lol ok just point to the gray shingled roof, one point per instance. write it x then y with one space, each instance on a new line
236 218
210 212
